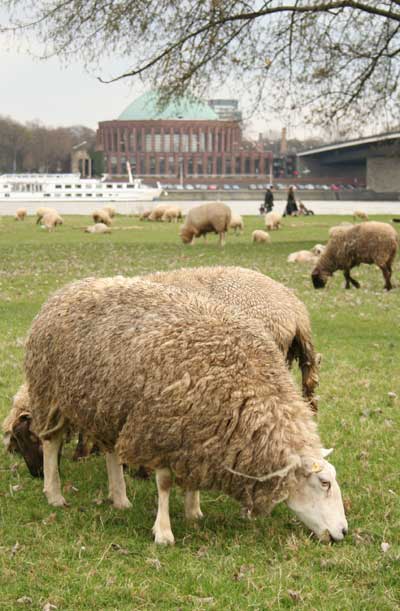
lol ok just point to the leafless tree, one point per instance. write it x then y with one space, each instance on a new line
331 58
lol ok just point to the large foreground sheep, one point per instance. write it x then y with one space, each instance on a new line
260 298
214 217
161 377
369 242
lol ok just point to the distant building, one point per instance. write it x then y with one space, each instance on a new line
186 139
227 110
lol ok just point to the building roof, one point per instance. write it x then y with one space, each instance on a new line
145 108
357 142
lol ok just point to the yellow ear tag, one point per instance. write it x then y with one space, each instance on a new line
316 468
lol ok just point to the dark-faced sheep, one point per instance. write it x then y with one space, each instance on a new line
214 217
161 377
369 242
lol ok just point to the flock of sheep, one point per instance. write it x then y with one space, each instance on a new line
187 373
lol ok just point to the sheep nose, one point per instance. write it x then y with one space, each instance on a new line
345 530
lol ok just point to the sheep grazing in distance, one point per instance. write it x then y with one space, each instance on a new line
259 297
20 214
306 256
101 216
158 212
359 214
214 217
172 214
144 215
302 256
153 394
369 242
236 223
98 228
273 220
259 236
40 212
111 211
18 435
50 220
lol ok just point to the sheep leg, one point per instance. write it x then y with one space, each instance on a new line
82 447
162 526
222 238
116 482
192 505
52 483
387 274
351 280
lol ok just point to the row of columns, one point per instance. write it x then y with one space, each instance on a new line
132 140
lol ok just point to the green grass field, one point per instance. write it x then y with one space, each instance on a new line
92 557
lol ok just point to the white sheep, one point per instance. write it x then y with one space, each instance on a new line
101 216
359 214
50 220
20 214
98 228
260 236
273 220
213 217
172 214
236 223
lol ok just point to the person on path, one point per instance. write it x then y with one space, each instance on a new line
291 206
269 199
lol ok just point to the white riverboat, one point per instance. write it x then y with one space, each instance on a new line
55 188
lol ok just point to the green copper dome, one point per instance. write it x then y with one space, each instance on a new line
145 108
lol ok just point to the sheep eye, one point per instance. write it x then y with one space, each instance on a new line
325 484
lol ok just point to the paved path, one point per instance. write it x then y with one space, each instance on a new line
241 207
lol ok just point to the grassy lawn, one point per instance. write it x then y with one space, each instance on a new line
92 557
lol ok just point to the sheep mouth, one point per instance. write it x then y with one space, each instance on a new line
25 442
317 281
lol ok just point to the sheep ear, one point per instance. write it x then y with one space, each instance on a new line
326 452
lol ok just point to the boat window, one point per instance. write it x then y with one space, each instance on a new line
130 186
88 186
99 195
47 194
58 186
78 186
68 195
88 195
99 186
119 186
78 194
68 186
109 186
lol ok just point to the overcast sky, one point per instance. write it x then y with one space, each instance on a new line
59 95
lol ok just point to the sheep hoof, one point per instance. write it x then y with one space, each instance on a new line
163 537
57 501
194 515
122 504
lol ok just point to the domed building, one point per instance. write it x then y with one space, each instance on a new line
186 139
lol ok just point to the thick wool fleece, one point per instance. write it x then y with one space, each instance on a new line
369 242
170 379
256 297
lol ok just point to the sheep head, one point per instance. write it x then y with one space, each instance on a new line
22 440
319 277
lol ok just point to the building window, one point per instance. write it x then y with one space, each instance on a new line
131 145
190 166
152 164
200 166
238 168
115 140
139 144
247 165
171 166
133 164
157 140
161 162
209 166
122 142
195 142
219 166
148 146
256 166
123 166
202 141
142 166
228 166
167 143
176 140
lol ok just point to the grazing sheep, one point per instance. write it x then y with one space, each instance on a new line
144 215
18 435
40 212
214 217
236 223
98 228
302 256
158 212
111 211
359 214
273 220
50 220
184 387
101 216
260 236
172 213
260 298
20 214
369 242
